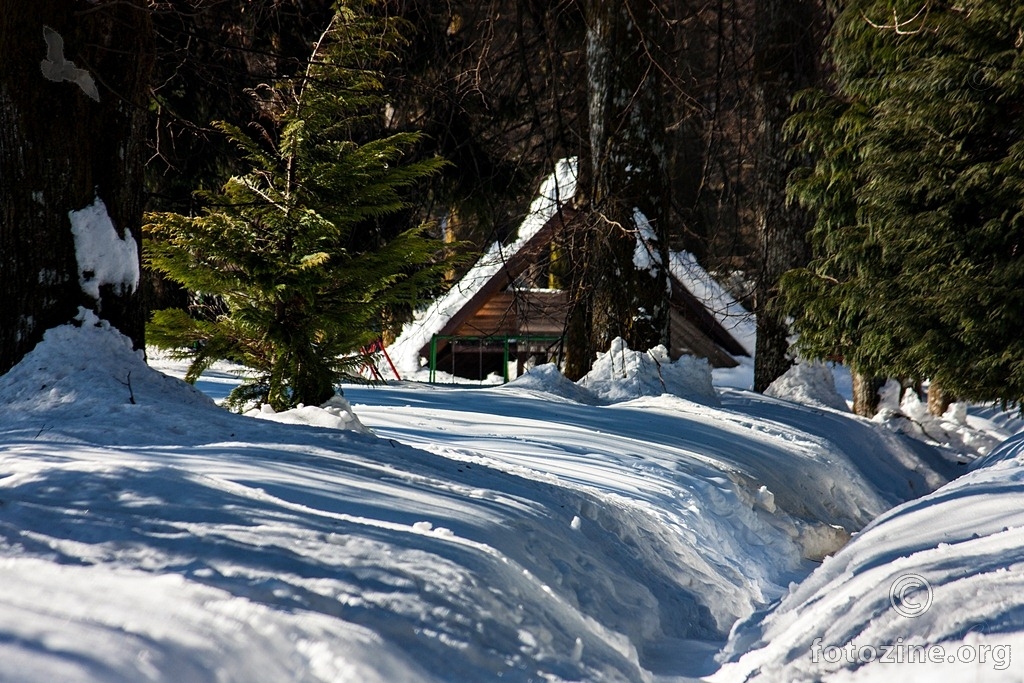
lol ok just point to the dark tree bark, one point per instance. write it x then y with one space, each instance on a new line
497 88
627 172
785 61
60 151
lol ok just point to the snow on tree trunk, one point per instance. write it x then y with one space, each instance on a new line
785 62
73 105
620 286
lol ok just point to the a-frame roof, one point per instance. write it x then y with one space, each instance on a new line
709 313
511 268
691 309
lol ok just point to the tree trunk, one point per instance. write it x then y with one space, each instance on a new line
938 400
785 62
621 290
865 394
71 137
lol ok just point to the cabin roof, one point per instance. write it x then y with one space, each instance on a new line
715 322
700 322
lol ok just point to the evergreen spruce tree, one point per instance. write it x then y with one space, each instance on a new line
292 254
918 189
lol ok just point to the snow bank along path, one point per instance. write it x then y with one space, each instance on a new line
720 506
500 534
932 590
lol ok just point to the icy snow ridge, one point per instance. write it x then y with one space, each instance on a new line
808 383
622 374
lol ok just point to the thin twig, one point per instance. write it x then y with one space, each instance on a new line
128 383
899 26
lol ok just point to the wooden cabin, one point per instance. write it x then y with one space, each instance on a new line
517 315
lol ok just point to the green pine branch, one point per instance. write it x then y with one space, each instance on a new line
292 248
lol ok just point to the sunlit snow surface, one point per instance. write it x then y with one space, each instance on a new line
517 533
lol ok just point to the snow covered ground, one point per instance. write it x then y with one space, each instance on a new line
932 590
539 531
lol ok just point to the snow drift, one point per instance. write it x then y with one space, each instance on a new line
621 374
808 383
489 534
932 590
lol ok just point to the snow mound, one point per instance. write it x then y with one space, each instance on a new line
89 354
147 534
931 590
334 414
622 374
904 412
811 384
549 379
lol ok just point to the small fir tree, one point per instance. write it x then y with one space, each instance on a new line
293 253
918 189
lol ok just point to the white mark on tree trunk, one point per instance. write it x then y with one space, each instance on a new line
646 255
104 256
25 327
49 276
56 68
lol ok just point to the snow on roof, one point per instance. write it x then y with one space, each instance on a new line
726 310
556 190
